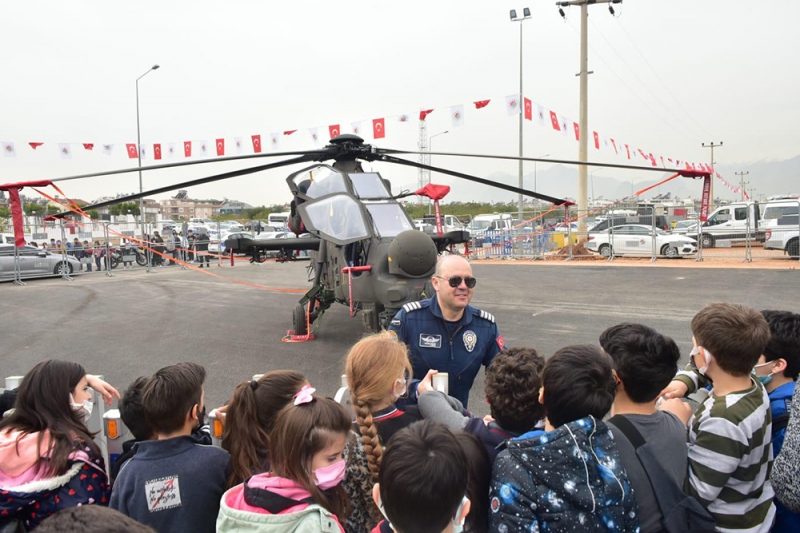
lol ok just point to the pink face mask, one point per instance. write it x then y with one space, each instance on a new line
330 476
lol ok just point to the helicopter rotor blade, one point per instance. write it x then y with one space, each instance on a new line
217 177
534 159
484 181
316 153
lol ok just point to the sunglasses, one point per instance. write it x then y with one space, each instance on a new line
455 281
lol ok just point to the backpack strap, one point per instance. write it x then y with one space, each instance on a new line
629 430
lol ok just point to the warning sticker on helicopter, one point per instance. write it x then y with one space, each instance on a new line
430 341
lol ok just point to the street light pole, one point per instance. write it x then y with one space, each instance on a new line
139 154
430 149
534 170
526 14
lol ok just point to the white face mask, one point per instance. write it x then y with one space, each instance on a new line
700 369
84 409
457 527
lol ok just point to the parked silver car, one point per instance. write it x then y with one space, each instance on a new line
35 262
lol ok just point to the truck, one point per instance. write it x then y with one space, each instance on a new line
732 223
486 229
278 219
449 223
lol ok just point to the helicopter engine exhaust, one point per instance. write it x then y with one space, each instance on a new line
412 254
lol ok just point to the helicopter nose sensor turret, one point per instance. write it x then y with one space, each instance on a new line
412 254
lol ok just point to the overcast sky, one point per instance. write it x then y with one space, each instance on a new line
668 75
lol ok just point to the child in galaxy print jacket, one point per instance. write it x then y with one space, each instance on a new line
567 477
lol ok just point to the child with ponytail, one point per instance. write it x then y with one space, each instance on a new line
301 491
378 371
249 418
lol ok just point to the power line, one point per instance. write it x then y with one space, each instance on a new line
666 87
636 94
653 94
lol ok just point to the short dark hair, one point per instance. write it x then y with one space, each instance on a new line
512 387
91 519
170 394
734 334
131 410
644 359
578 381
480 477
422 464
784 340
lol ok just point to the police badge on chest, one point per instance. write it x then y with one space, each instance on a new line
470 340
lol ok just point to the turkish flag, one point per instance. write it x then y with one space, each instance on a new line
289 132
156 151
596 140
425 113
554 121
378 128
653 160
187 148
577 128
220 147
614 144
35 145
133 153
334 130
88 146
256 143
480 104
628 151
528 109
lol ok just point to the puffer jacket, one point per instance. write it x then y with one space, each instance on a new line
567 479
265 503
29 496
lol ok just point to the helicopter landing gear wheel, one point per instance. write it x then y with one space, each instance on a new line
299 323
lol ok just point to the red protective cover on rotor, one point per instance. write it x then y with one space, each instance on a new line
433 191
16 206
694 173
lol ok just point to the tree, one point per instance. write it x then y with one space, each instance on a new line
124 208
93 214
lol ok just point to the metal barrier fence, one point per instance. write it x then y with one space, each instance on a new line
65 248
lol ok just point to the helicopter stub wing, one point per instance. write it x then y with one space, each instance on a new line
451 237
248 245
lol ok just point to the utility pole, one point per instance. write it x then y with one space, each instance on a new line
424 158
712 145
583 120
526 14
742 183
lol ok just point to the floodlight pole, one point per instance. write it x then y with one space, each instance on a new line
139 156
526 14
742 183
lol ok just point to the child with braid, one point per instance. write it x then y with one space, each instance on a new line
378 371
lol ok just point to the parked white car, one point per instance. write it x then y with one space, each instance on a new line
637 239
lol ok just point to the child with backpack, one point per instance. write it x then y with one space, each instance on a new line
301 492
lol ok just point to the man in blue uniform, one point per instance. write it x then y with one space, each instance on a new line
447 334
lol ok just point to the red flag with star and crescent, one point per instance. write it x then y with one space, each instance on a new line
220 147
577 128
187 148
156 151
35 145
289 132
554 121
133 153
88 146
528 108
378 128
334 130
480 104
425 113
256 143
596 140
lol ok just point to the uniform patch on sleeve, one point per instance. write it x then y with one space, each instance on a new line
163 493
500 342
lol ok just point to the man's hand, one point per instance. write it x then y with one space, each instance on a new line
426 385
106 391
675 389
679 408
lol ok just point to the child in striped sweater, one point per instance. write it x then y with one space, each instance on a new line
730 452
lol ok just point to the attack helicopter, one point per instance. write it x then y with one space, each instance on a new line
365 251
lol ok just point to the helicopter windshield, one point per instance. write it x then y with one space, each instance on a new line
320 181
369 185
389 219
339 217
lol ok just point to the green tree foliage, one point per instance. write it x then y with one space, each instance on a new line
124 208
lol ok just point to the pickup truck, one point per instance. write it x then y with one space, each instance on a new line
783 234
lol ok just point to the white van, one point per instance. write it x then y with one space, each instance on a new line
278 219
729 224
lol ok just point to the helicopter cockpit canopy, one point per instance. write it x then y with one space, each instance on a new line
347 207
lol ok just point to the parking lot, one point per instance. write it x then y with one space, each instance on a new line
135 322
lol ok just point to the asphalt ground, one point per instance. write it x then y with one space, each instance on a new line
136 322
